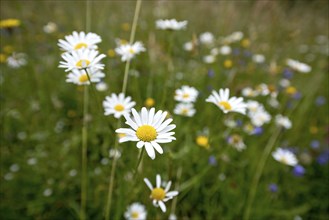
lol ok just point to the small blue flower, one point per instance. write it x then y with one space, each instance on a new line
211 73
258 131
323 158
212 160
320 100
298 171
315 144
287 73
273 188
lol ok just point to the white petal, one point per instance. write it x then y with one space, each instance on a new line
162 206
157 147
158 181
151 116
136 117
140 144
172 194
168 186
148 183
144 116
164 125
150 150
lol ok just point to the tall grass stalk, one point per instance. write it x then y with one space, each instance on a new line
84 184
124 88
259 171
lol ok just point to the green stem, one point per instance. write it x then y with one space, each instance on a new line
140 157
131 40
84 155
111 183
259 171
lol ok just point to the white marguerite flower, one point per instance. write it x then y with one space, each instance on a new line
135 211
185 109
101 86
186 94
260 117
227 104
117 105
285 156
236 142
78 41
209 59
225 50
299 66
148 129
249 92
234 37
258 58
50 27
206 38
80 77
283 121
82 59
128 51
17 60
171 24
160 195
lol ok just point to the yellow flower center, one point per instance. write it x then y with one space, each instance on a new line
3 58
184 111
119 108
9 23
235 139
80 45
185 96
131 50
82 63
83 78
226 105
134 215
146 133
228 63
291 90
158 194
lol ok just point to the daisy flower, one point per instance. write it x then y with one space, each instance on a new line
117 105
171 24
185 109
80 77
227 104
298 66
148 129
236 141
80 40
17 60
160 195
135 211
128 51
285 156
206 38
283 121
81 59
186 94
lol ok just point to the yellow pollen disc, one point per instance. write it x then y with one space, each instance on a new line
82 63
146 133
228 63
226 105
80 45
131 50
119 108
235 139
185 96
158 194
185 111
134 215
83 78
149 102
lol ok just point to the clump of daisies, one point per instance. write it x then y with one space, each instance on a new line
159 194
148 129
186 96
170 24
81 58
118 105
298 66
222 100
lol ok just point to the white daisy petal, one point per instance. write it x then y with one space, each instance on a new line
150 150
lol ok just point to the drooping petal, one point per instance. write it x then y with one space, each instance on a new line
148 183
150 150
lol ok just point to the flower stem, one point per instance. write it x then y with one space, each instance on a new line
109 196
131 40
84 155
140 157
258 173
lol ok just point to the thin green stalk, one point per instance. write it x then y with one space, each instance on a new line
259 171
84 155
174 203
124 88
140 157
131 40
84 184
109 196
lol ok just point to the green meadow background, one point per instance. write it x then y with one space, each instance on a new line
41 114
